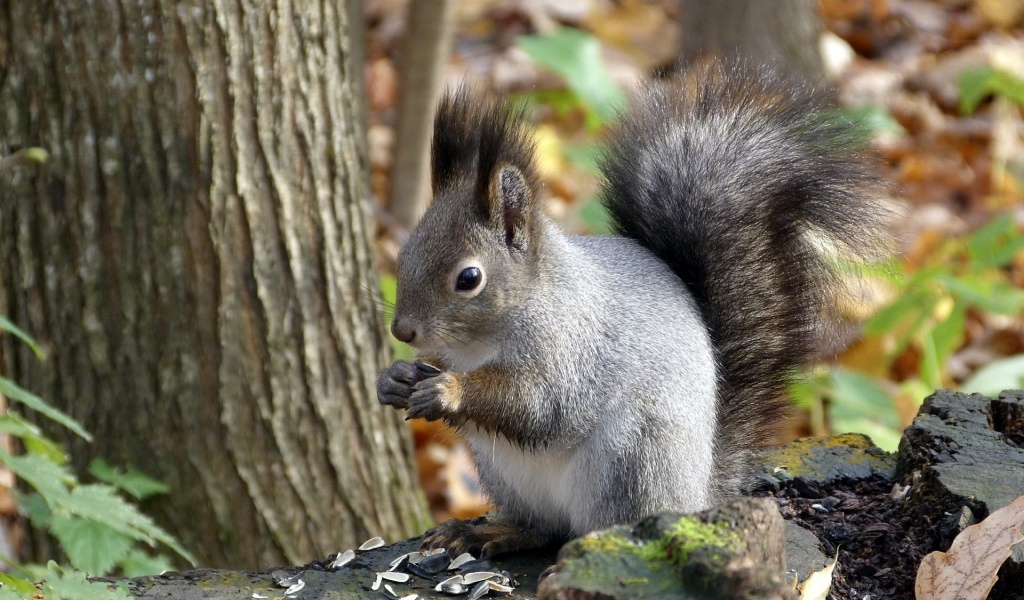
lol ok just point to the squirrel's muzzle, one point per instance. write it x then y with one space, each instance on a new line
403 330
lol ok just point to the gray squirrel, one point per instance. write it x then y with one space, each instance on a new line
601 379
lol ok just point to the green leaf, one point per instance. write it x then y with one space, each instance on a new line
388 292
140 564
585 156
35 507
14 392
1003 374
911 304
132 481
595 216
872 119
563 102
884 437
996 295
855 395
90 546
929 364
49 479
22 588
73 585
977 84
949 334
859 405
8 593
576 56
6 325
101 503
995 244
33 438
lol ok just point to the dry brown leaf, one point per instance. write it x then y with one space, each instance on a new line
818 584
968 570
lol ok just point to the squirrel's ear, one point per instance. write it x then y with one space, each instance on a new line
509 200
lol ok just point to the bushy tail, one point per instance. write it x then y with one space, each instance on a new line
749 188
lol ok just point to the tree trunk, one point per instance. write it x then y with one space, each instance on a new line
426 47
196 259
781 34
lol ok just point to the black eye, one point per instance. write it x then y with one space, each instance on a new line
468 279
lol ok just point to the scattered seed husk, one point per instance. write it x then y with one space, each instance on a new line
480 564
453 589
410 557
343 559
399 563
285 581
390 593
479 591
509 579
394 576
295 588
418 571
410 597
376 583
479 576
433 551
452 585
460 560
499 588
427 369
434 563
370 544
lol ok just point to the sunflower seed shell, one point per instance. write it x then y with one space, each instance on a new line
394 576
479 576
460 560
343 559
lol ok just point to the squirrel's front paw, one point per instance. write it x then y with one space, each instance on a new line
435 398
397 383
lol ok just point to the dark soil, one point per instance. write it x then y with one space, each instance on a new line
880 542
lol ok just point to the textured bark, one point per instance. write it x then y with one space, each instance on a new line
782 34
195 257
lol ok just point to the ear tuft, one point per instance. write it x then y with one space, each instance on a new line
511 202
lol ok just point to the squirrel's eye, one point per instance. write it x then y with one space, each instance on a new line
468 279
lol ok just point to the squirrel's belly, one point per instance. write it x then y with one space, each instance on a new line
542 484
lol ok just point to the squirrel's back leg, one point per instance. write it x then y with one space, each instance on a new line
490 538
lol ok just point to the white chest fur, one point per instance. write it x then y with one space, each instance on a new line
544 481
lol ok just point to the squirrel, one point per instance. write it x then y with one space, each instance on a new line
601 379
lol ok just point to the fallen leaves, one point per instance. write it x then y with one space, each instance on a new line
817 586
968 570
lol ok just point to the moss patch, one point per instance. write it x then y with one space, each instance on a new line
615 563
690 534
821 460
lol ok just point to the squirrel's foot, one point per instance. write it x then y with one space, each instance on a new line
487 539
435 398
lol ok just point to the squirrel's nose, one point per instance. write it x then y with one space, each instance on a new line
403 331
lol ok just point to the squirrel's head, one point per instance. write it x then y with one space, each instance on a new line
470 261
